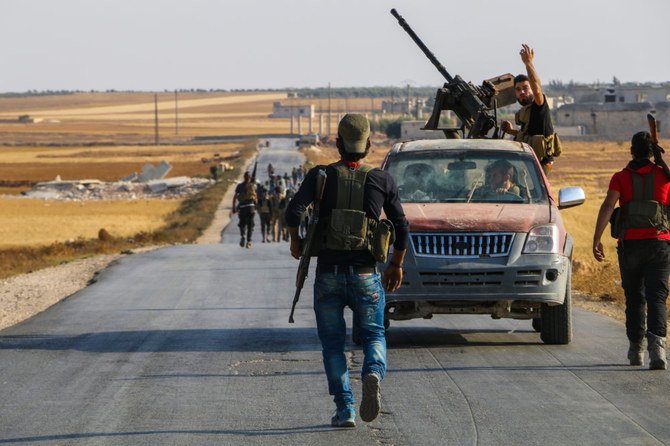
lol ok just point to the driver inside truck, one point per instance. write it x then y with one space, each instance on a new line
501 179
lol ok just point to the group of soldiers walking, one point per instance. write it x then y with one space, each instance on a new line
269 199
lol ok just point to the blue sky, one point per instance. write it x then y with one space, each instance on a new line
230 44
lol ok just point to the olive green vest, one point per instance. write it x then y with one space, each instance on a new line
643 211
543 146
248 194
348 228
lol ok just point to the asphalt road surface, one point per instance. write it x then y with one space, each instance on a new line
190 345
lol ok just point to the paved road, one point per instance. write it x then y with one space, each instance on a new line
190 345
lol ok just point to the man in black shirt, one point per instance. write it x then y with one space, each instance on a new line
346 274
534 118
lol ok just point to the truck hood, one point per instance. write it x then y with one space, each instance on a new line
475 217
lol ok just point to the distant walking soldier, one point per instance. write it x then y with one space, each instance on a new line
278 208
641 226
534 118
346 275
244 202
265 214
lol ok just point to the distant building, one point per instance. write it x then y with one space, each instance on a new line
615 111
280 110
627 93
414 107
610 120
411 130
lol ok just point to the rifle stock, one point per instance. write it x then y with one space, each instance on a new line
653 130
658 150
303 267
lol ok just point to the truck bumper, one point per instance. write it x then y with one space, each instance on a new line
503 289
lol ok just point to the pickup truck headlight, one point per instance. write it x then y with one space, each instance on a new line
542 240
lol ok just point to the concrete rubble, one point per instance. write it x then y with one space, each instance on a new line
148 184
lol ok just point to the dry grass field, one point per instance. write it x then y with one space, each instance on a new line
34 222
128 118
589 165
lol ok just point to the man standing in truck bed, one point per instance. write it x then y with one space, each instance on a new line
534 117
346 274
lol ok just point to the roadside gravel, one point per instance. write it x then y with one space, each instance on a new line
25 295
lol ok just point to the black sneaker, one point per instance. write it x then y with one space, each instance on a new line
371 401
242 242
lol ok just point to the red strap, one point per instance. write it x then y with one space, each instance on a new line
351 164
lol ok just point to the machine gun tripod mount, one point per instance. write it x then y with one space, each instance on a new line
475 106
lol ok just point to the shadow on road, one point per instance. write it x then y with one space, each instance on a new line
410 337
245 340
200 340
238 432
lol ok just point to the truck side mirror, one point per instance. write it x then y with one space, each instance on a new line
570 196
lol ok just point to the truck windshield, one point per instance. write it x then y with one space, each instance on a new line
467 176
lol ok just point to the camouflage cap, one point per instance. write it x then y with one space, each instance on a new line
354 131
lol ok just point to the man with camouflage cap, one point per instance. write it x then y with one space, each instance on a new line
346 272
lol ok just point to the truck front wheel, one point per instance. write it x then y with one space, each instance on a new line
556 320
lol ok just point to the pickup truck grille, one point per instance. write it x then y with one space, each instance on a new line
483 244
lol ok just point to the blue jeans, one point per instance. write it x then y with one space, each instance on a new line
364 294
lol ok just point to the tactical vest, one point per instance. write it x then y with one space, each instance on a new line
248 194
348 228
643 211
543 146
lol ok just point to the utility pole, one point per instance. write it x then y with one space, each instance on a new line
329 109
156 140
176 114
409 107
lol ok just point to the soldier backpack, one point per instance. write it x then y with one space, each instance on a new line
348 228
643 211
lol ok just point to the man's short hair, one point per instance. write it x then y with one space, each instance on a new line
502 166
520 78
640 145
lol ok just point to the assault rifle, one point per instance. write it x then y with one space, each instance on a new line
658 150
475 106
253 174
303 268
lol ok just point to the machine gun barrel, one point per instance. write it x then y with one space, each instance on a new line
443 71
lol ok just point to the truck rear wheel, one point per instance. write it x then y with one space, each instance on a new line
556 320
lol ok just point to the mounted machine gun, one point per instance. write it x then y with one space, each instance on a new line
475 106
